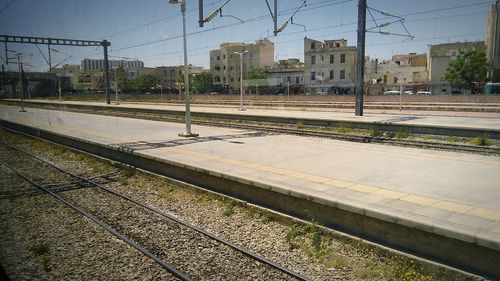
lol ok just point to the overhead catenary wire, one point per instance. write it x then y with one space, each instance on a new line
258 18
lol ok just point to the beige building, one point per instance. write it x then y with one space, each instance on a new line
329 64
289 72
409 69
438 59
225 64
170 76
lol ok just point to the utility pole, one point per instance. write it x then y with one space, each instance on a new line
360 58
188 132
105 45
18 55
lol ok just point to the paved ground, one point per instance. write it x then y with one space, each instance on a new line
454 192
491 121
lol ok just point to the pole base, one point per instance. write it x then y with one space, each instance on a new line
22 110
188 135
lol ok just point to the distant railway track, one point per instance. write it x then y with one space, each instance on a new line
62 181
285 127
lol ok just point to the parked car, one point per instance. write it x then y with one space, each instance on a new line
423 93
409 93
391 93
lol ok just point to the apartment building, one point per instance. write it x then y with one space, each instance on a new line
289 72
225 64
98 64
170 76
438 59
330 64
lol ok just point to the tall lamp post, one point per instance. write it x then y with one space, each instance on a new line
188 132
241 77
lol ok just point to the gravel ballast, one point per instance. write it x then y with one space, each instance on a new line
303 247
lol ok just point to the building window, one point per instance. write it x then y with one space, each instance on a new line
313 59
297 80
288 79
322 58
223 57
313 45
232 79
331 74
224 67
332 58
217 78
218 57
342 74
313 75
231 68
342 58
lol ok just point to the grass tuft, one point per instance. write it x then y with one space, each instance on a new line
481 140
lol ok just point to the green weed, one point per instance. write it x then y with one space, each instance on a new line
40 249
481 140
402 134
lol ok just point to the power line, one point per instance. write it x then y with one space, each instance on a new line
291 33
7 5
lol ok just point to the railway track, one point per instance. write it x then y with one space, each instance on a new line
287 128
304 130
192 253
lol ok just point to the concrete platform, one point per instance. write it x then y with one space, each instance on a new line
462 126
441 205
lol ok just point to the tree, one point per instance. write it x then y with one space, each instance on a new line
202 82
468 71
146 81
256 73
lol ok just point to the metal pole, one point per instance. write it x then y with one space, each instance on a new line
50 60
105 45
20 81
116 86
275 19
200 13
188 132
241 82
60 89
360 58
401 93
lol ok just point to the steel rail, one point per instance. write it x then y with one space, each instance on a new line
306 132
170 217
112 231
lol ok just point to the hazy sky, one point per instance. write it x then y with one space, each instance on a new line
155 26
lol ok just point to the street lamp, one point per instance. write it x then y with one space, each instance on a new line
241 77
116 84
188 132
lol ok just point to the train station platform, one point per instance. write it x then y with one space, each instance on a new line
437 204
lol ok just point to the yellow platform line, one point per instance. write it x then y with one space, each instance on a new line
337 183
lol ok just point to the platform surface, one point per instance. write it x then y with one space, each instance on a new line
455 194
474 120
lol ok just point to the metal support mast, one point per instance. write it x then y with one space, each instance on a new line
360 58
105 45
